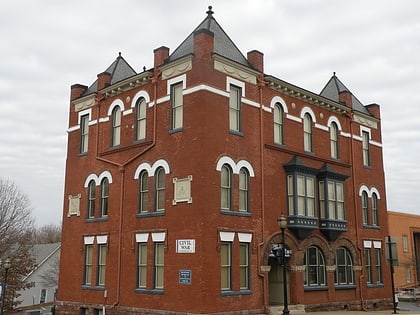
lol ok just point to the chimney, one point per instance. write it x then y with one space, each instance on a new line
256 59
345 98
161 54
203 43
77 90
104 79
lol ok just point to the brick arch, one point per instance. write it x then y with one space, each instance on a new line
275 238
321 243
351 247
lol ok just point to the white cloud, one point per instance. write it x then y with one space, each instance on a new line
48 45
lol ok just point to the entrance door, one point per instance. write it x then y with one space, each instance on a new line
276 283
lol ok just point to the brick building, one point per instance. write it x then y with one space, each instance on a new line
176 177
405 229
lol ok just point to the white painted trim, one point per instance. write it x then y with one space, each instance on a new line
158 237
117 102
226 236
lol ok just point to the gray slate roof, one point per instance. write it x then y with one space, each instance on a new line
223 45
43 251
119 70
334 87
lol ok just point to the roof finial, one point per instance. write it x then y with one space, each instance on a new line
210 12
334 74
119 54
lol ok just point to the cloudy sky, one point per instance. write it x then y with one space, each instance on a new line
48 45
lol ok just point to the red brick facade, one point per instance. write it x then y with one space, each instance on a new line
190 141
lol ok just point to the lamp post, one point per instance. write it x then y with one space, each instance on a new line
282 222
6 265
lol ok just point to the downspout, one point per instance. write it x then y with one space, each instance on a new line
121 167
350 115
261 84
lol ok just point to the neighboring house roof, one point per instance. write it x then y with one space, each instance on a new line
41 254
119 70
334 87
223 45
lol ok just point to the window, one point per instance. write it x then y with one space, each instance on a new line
278 123
235 108
84 133
405 243
160 189
334 207
334 140
375 216
142 265
244 265
365 215
101 264
42 296
226 265
140 119
226 188
301 195
315 267
243 190
343 267
368 265
116 126
408 274
88 264
158 265
307 133
365 146
176 106
91 199
143 191
104 197
378 265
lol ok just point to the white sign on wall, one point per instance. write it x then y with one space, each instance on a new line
185 246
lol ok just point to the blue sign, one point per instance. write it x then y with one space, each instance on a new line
185 276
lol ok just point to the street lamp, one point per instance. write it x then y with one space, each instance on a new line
6 265
282 222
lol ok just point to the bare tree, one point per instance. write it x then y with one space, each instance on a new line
47 234
50 276
15 224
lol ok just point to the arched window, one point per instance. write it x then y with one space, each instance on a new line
307 133
226 188
375 217
343 267
104 197
365 214
278 123
143 191
140 124
91 199
116 126
243 190
334 140
315 267
160 189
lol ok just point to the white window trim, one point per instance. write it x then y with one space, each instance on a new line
182 78
231 81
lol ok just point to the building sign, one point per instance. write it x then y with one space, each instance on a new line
182 190
185 246
185 276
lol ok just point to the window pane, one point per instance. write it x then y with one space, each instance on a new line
101 264
142 265
160 190
234 108
116 126
91 199
278 124
225 265
159 265
225 186
244 265
84 133
104 197
143 191
243 190
88 264
141 119
177 105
